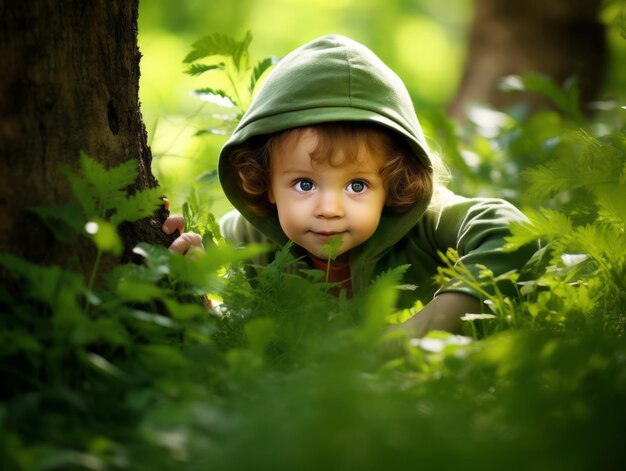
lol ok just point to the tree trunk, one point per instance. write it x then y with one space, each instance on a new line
557 38
69 82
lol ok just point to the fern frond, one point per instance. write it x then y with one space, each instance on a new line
98 189
611 201
241 52
544 224
258 71
219 44
198 69
84 193
216 44
391 277
140 205
602 242
107 181
581 161
217 96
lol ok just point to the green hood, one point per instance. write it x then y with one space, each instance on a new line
331 78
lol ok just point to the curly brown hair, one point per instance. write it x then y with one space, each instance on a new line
406 178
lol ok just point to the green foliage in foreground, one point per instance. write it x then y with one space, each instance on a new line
128 370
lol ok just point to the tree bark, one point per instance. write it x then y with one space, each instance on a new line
69 82
557 38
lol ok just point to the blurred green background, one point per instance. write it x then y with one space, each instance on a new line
393 29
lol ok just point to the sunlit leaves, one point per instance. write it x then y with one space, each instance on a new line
216 96
258 71
233 80
566 98
222 45
580 161
543 223
378 302
198 69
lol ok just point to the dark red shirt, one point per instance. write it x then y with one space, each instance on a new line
336 272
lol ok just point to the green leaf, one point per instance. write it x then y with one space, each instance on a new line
213 95
378 301
542 224
53 286
219 44
138 291
566 98
602 241
332 247
260 333
209 177
155 319
184 311
64 221
580 161
97 189
103 365
258 71
109 185
83 192
138 206
160 357
215 44
104 236
198 69
441 129
51 458
241 52
157 258
611 199
115 178
214 227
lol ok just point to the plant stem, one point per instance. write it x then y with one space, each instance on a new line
92 277
327 269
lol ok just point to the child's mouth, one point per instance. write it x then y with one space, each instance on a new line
326 234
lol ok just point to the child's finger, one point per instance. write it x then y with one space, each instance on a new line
185 242
173 223
166 203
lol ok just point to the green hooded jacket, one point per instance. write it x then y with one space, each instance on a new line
334 78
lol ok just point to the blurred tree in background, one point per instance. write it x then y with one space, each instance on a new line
559 39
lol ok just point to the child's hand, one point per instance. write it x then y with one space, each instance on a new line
187 242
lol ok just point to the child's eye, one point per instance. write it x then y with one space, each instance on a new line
357 186
304 185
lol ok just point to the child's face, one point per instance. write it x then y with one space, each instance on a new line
317 201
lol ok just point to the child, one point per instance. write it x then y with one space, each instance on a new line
331 148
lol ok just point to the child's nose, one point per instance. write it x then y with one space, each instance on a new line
329 205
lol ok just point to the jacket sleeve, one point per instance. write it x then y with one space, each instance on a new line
238 231
476 228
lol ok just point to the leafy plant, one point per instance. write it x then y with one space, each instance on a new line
238 80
